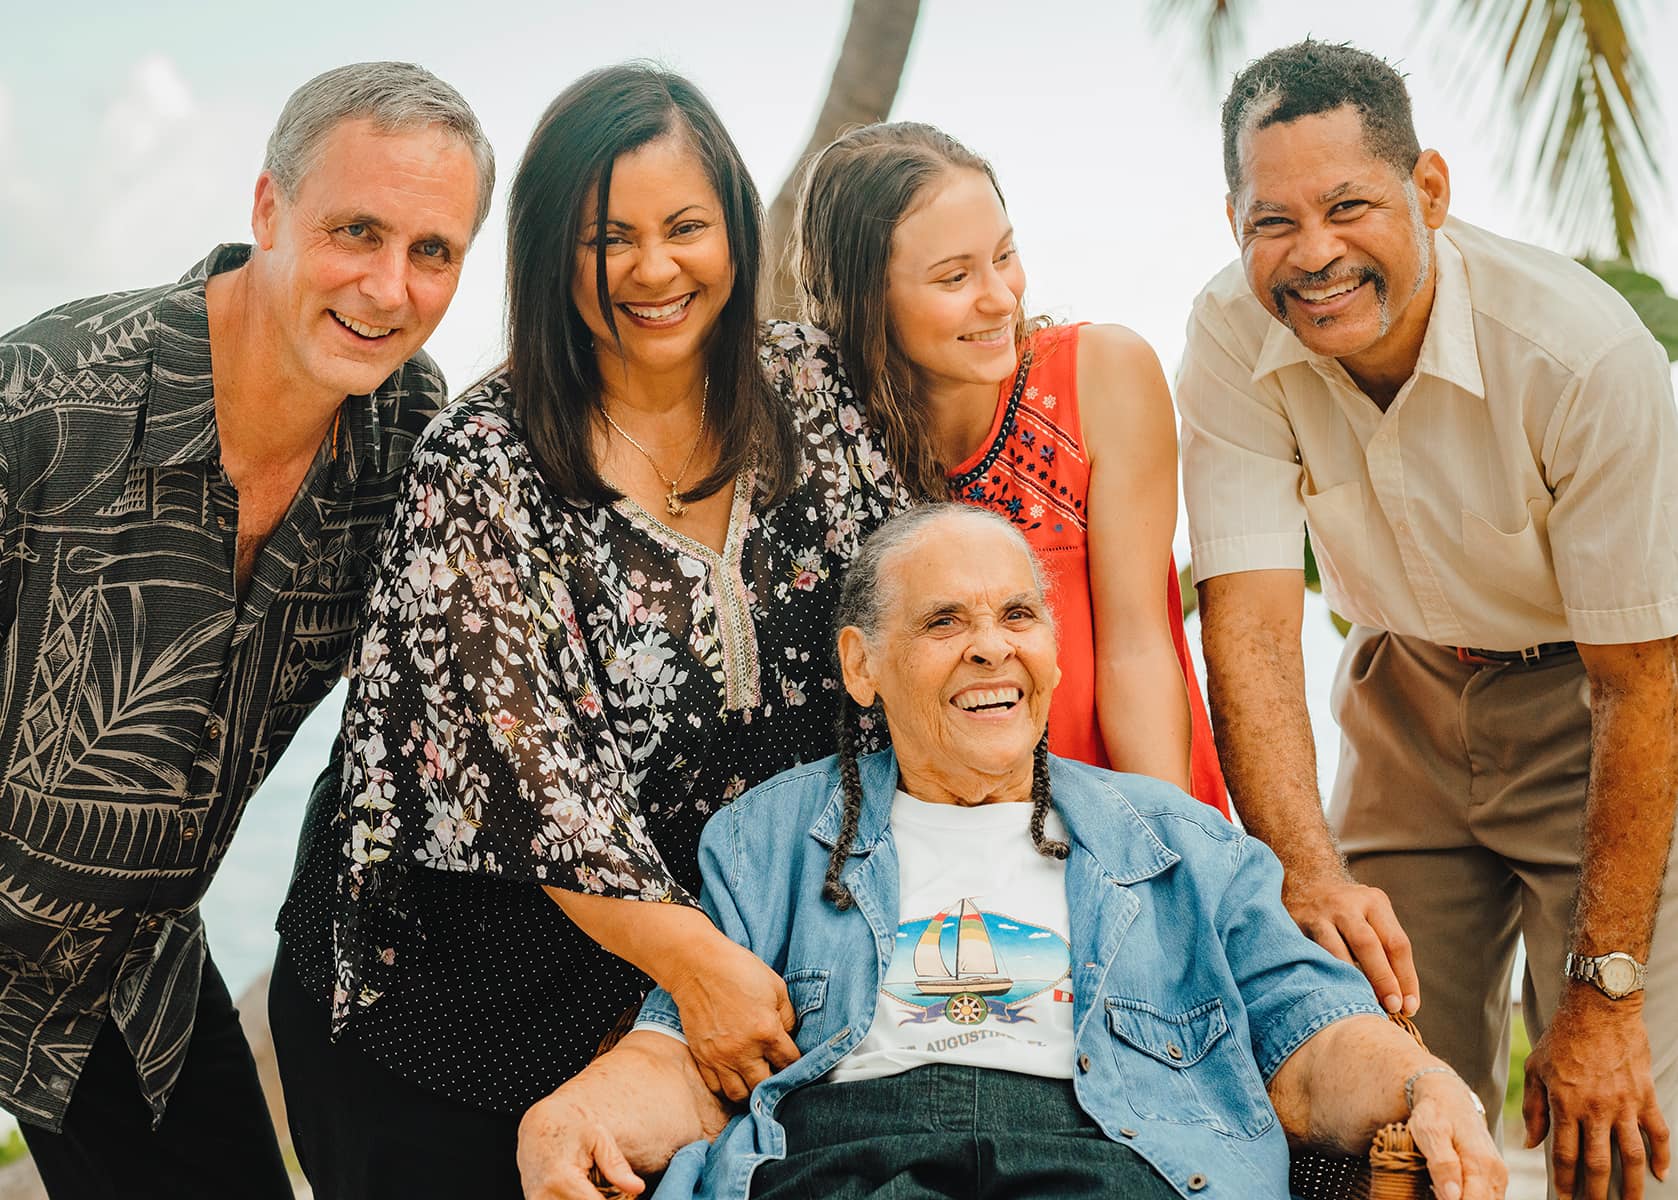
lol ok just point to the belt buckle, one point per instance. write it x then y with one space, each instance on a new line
1531 654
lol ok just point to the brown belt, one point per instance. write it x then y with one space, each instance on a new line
1529 657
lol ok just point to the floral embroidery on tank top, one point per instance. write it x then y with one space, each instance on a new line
1034 472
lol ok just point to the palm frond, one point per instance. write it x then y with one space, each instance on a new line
1584 102
1217 23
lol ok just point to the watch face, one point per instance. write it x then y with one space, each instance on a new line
1618 976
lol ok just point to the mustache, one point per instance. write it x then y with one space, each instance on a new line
1316 279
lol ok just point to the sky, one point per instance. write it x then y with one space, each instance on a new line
131 136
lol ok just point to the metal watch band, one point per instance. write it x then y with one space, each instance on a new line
1588 968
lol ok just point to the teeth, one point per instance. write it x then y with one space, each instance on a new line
1318 295
366 331
984 335
662 311
988 698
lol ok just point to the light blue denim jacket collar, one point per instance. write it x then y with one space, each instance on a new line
1106 826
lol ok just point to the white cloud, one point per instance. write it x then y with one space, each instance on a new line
153 106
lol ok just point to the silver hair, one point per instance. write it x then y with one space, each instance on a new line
396 97
868 591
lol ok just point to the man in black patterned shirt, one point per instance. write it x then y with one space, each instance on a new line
193 479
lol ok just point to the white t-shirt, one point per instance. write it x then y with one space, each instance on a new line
981 974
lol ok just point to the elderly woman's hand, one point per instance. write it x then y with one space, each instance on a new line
1451 1133
562 1150
736 1016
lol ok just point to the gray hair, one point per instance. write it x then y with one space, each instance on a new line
865 596
396 97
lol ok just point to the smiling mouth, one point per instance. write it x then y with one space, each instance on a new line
987 699
371 332
1322 289
985 336
658 312
1320 295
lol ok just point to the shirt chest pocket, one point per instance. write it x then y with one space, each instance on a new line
1187 1067
1518 563
807 989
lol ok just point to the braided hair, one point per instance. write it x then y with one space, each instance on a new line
863 603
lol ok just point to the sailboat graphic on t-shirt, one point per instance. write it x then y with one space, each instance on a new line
976 968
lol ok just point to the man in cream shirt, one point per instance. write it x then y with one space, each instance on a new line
1481 438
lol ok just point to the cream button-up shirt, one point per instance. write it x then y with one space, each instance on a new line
1522 487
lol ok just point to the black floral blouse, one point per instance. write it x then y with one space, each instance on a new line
560 693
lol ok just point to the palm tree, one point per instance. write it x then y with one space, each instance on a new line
862 90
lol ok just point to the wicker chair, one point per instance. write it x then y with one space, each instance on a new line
1393 1170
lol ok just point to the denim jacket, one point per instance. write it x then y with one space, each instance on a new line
1191 985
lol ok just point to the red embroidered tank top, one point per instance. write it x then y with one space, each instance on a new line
1032 469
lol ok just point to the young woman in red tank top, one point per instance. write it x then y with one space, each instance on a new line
1066 430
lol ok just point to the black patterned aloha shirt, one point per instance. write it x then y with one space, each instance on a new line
142 702
556 692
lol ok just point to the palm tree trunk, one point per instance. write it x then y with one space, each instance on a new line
863 87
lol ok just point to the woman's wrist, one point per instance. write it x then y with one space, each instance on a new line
689 959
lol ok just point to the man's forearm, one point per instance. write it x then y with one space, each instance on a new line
1256 687
1630 803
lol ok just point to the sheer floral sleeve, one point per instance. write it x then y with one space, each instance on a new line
475 738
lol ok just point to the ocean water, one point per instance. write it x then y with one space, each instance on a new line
241 904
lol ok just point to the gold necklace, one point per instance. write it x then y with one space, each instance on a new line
673 502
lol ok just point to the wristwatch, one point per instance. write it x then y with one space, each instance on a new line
1615 975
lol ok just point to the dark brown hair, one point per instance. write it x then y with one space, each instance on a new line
1308 78
864 598
854 195
551 360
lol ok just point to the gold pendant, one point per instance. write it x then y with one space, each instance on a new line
673 503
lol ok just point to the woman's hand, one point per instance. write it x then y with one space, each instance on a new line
562 1151
1451 1133
735 1011
736 1015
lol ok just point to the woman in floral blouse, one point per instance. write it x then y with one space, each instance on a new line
603 613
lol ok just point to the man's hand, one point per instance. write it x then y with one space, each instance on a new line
1589 1084
1356 924
1462 1161
559 1144
737 1017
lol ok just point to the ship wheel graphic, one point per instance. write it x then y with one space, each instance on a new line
966 1008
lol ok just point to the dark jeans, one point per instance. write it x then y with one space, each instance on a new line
363 1132
215 1141
949 1133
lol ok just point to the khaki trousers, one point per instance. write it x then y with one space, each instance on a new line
1460 793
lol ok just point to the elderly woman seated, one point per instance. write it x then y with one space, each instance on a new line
1014 974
